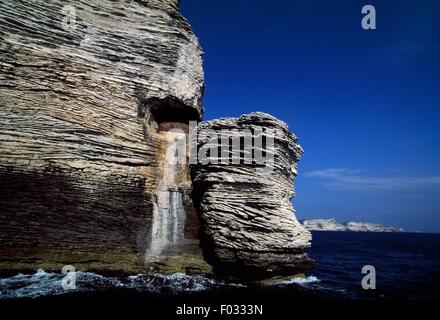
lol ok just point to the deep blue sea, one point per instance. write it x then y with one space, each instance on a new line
407 264
407 268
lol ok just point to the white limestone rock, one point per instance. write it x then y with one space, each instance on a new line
333 225
79 160
249 226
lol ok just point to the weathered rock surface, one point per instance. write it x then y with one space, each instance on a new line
333 225
83 93
95 100
248 222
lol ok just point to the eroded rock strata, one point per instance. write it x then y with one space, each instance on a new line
248 222
84 92
95 102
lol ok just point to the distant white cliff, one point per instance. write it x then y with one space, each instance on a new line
333 225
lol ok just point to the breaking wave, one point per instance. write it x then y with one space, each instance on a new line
43 283
306 280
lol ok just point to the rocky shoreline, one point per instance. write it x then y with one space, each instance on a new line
333 225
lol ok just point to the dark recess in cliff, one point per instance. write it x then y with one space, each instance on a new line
171 109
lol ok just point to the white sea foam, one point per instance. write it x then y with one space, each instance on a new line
299 281
306 280
31 286
43 284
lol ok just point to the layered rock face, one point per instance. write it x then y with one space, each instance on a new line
333 225
95 103
243 194
85 90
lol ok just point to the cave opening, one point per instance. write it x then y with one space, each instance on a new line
170 110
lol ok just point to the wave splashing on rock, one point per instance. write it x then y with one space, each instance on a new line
44 283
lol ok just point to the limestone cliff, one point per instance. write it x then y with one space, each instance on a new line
248 223
333 225
85 87
96 98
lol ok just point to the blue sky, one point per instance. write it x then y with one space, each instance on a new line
364 104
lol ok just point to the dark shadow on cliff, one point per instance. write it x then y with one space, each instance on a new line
48 218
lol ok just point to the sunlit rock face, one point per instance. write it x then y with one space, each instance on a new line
333 225
84 91
249 227
96 97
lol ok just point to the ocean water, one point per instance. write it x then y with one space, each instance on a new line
407 268
407 265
